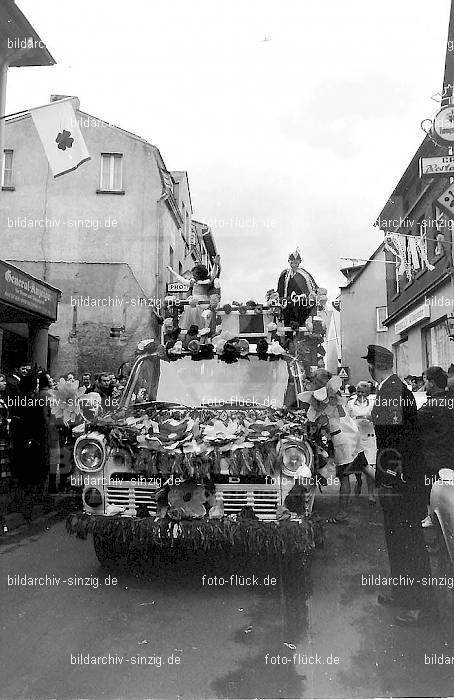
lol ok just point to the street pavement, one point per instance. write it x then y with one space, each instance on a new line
182 639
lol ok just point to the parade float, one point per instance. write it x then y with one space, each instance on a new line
211 449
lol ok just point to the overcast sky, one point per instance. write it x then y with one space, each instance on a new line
294 119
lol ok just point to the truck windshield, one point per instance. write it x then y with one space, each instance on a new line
209 382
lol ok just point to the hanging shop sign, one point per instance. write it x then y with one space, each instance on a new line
443 124
419 314
175 287
22 290
438 165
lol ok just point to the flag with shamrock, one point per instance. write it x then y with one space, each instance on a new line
60 136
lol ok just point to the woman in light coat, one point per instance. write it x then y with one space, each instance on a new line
359 408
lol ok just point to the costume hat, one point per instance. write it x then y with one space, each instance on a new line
296 255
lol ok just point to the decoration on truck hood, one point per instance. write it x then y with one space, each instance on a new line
65 401
193 442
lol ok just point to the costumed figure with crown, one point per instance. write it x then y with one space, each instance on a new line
297 291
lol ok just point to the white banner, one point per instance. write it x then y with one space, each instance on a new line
60 135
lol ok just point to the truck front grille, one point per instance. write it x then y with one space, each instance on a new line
264 501
131 497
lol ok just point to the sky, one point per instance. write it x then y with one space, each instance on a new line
294 118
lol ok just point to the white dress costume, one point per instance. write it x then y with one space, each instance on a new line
361 412
200 288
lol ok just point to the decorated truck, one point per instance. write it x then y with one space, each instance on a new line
209 450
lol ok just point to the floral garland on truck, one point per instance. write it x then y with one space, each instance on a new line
192 443
140 539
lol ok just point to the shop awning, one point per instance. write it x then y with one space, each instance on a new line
23 292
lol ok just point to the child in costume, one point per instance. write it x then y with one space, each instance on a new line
202 283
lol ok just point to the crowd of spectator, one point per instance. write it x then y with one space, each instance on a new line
32 440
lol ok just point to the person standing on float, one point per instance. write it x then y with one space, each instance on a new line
201 283
297 291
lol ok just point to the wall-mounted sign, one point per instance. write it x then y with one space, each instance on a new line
439 165
175 287
414 317
21 290
446 201
443 124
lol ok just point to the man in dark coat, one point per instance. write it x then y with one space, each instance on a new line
13 392
297 291
399 477
105 391
30 447
436 422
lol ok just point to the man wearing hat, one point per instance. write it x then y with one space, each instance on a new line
400 481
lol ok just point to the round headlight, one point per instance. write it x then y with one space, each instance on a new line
89 453
293 459
92 497
297 460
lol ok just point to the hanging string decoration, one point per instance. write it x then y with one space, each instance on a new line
410 251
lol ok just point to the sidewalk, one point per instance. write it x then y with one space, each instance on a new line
55 506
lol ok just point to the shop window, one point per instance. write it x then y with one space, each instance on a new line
436 345
111 176
7 175
382 312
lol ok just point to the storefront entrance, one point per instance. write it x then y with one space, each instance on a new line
14 350
27 308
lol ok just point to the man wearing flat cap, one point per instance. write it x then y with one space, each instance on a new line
400 480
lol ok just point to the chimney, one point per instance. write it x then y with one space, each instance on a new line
75 100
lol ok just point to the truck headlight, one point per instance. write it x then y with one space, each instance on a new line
89 452
297 460
92 497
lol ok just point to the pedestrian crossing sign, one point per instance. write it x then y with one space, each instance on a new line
343 374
